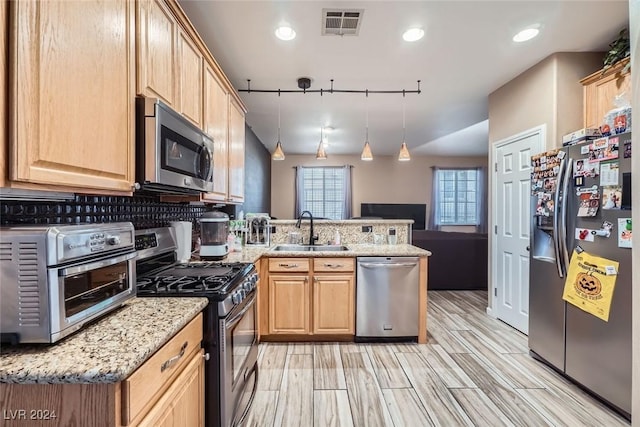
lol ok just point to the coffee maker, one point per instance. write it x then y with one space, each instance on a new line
214 229
258 229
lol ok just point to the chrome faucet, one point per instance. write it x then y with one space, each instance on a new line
312 238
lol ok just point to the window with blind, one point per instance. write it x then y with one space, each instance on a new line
323 192
457 196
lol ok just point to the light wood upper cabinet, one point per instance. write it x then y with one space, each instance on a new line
216 124
190 79
157 32
236 152
73 91
333 304
600 91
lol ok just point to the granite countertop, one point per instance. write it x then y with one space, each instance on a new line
107 351
254 253
355 250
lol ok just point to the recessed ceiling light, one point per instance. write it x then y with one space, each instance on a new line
526 34
285 33
413 34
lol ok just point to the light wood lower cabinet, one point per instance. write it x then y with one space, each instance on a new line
288 304
182 404
310 296
333 304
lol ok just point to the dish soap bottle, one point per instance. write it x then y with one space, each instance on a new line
336 238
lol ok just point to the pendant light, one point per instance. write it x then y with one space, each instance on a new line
366 150
278 154
404 155
321 154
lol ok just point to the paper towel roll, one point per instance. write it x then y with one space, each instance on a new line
182 234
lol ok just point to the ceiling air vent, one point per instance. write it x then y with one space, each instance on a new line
341 22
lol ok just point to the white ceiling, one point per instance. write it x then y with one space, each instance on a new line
466 54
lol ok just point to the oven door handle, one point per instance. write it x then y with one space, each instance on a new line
95 265
235 319
253 395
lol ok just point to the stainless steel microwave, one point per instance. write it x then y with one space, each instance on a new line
172 154
56 279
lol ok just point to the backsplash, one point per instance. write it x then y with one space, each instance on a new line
351 231
143 211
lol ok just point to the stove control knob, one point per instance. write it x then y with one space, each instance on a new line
113 240
236 298
254 278
247 286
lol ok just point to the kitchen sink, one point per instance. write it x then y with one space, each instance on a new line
310 248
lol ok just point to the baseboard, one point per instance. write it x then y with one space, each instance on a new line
490 312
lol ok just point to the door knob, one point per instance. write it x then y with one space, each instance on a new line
528 248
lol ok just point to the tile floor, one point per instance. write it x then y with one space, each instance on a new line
475 371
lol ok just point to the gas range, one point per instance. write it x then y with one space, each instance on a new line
159 274
230 322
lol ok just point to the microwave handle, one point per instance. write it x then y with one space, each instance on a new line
69 271
209 177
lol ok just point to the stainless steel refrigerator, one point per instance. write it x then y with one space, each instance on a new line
592 352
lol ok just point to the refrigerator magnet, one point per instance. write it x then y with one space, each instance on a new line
611 197
624 232
585 149
609 172
578 181
585 234
627 150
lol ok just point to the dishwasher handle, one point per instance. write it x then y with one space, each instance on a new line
387 265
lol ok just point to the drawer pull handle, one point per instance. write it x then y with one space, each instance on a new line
169 363
333 265
288 265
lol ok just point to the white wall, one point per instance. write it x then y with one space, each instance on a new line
383 180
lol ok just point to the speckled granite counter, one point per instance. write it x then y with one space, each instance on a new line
253 253
247 254
356 250
107 351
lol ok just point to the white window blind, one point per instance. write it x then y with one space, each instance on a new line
323 192
457 196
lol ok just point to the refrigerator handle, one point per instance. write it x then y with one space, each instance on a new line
564 216
556 219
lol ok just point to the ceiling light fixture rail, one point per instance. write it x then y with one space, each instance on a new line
331 90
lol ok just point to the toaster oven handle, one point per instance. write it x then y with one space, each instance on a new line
69 271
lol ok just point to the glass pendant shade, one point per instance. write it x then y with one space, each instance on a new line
404 155
321 154
366 155
278 154
366 152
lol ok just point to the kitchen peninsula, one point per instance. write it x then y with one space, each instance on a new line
309 295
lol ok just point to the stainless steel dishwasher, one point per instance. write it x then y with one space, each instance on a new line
387 298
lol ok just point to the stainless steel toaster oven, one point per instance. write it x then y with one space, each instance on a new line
55 279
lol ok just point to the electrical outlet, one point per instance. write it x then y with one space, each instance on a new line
367 228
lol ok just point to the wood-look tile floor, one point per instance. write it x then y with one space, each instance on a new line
475 371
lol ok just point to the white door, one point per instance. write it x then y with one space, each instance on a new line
512 200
